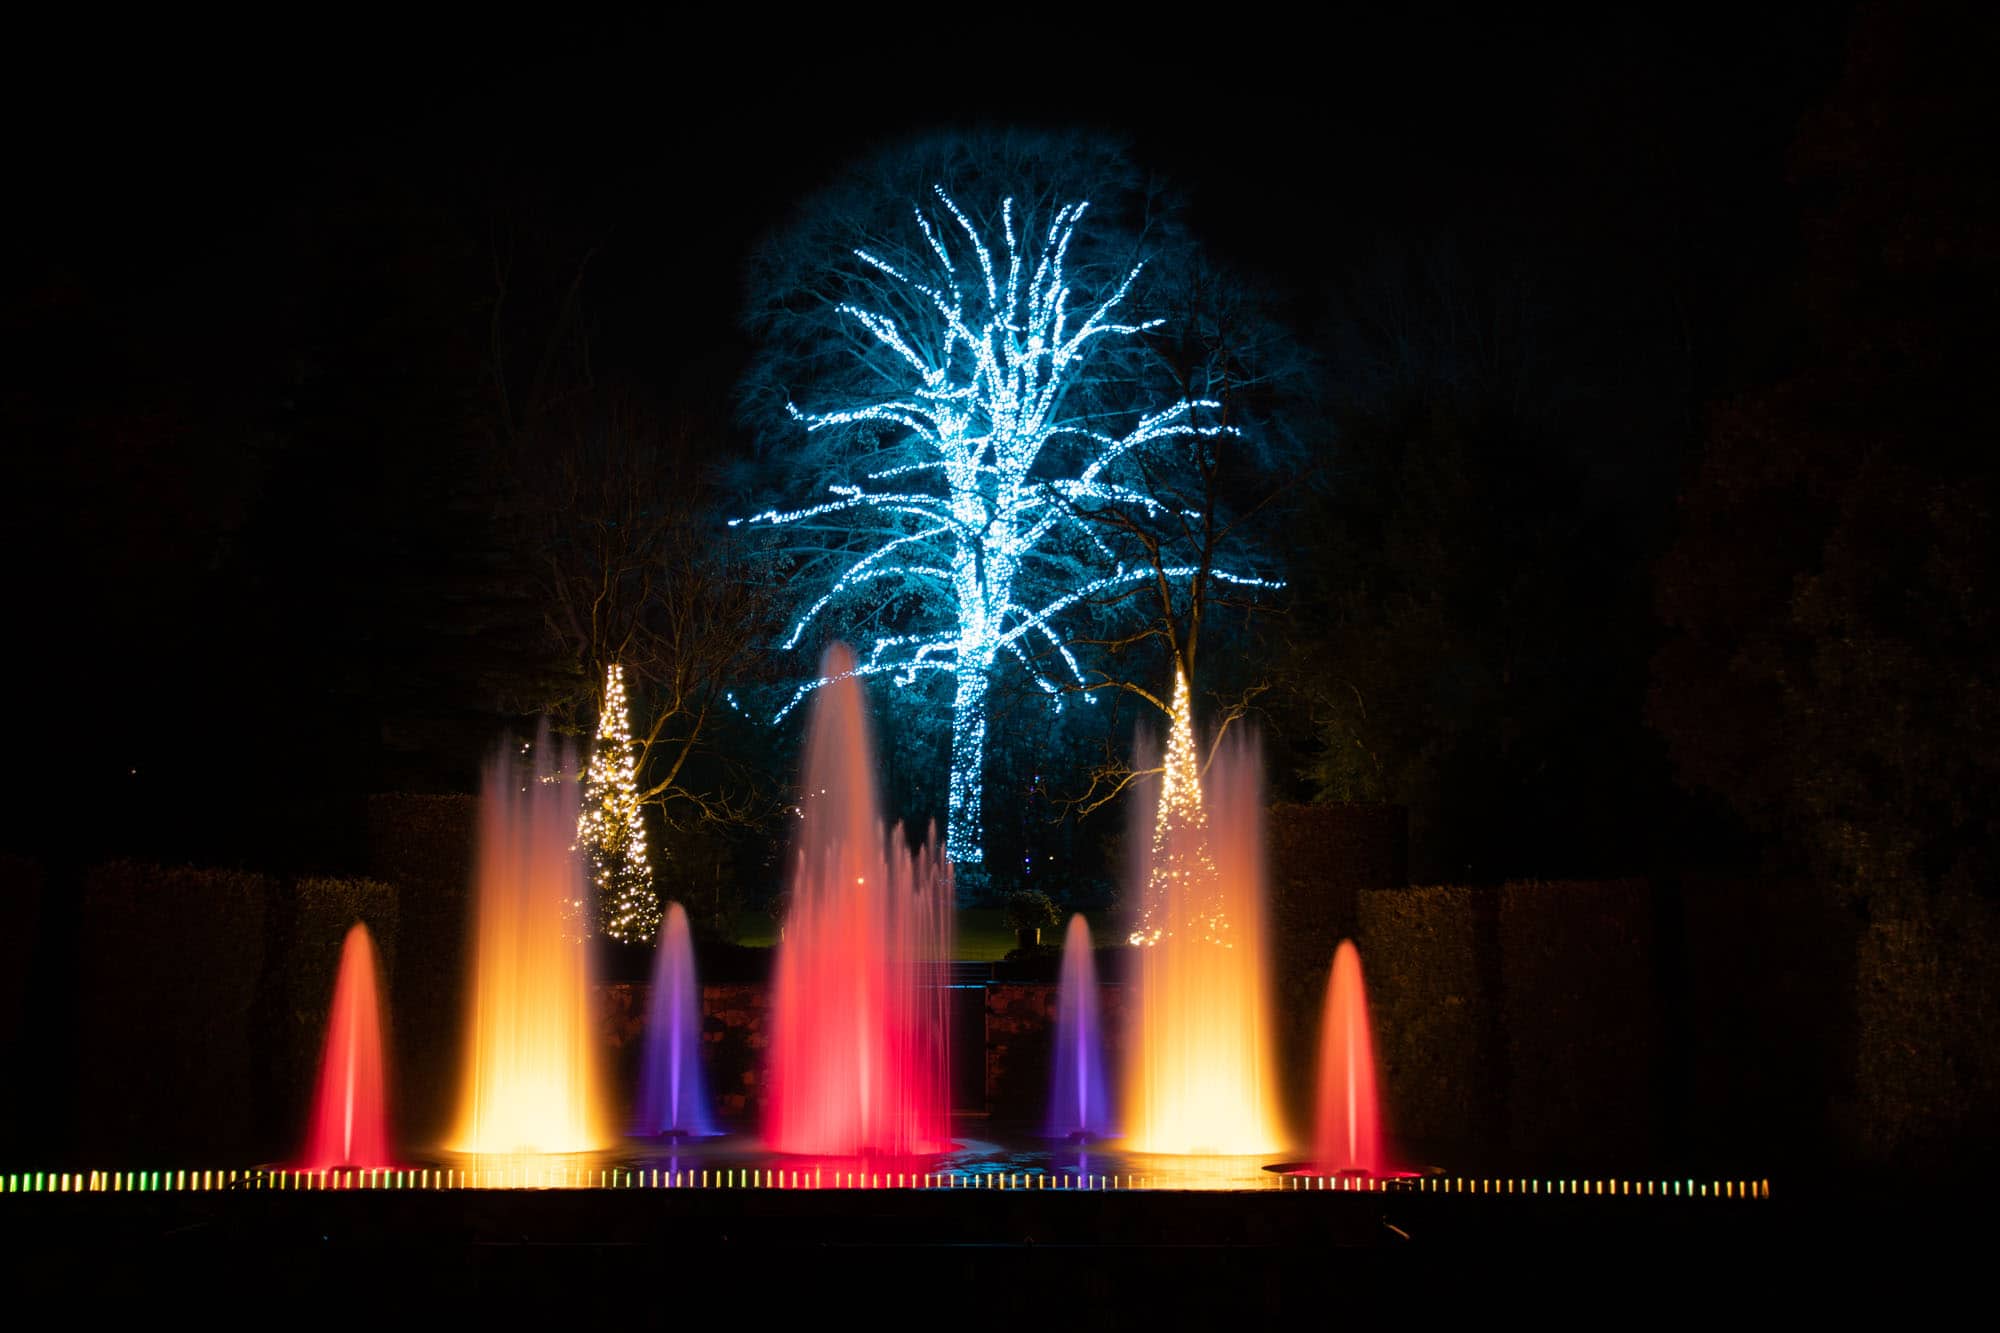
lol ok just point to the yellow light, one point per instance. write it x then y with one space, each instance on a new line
1203 1080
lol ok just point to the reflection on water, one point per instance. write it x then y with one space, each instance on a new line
741 1160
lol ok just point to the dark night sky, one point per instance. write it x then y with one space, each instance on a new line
209 235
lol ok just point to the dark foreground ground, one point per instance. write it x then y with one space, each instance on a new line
889 1258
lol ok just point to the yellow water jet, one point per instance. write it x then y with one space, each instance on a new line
530 1075
1201 1080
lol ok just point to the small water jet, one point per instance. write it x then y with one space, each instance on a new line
1200 1077
672 1103
1079 1107
349 1126
860 1025
1348 1137
530 1081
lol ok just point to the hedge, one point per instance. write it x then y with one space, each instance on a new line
1435 1006
425 846
20 931
310 920
171 964
1580 1001
1927 1053
1318 859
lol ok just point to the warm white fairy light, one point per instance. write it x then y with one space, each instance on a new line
1181 870
610 827
983 362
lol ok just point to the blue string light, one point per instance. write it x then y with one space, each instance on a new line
982 367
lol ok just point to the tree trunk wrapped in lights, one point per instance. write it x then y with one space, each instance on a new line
610 828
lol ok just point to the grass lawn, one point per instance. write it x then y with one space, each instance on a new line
982 934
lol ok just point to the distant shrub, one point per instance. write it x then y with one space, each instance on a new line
1031 909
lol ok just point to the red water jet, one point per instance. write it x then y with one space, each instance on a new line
350 1124
860 1027
1349 1129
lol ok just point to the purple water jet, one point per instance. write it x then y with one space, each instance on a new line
1079 1107
671 1097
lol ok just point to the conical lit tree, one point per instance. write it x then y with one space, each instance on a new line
1181 874
610 829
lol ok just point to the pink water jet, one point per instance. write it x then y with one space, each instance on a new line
349 1125
1349 1129
860 1025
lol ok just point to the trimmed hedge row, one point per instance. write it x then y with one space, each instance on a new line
1518 1026
1319 859
1435 1011
20 931
310 920
203 1002
1927 1050
171 969
1580 1004
425 846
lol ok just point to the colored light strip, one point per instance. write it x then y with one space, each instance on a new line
763 1178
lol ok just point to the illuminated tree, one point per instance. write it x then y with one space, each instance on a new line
1003 409
1180 841
610 828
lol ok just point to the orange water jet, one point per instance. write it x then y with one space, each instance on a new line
1201 1079
530 1075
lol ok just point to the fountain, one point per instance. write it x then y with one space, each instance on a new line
1079 1109
1201 1078
1348 1140
530 1076
671 1102
349 1125
859 1023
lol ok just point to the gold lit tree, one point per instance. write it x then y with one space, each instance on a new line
1181 876
610 828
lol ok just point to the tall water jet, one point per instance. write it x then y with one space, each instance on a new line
350 1124
1200 1079
530 1083
1079 1107
1348 1138
671 1097
860 1024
